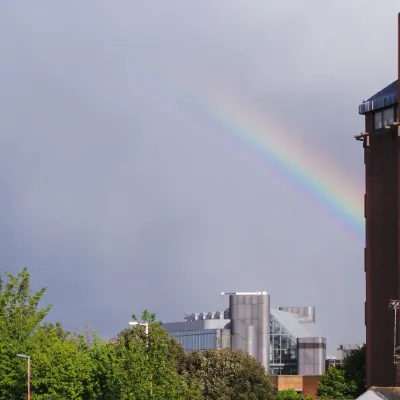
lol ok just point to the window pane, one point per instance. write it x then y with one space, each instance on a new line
378 120
276 328
388 116
285 342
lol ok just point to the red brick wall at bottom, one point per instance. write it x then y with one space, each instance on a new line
308 385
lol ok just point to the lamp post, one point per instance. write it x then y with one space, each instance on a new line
394 305
146 326
29 373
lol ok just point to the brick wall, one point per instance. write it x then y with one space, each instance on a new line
381 263
308 385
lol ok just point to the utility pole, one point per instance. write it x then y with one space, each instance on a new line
394 305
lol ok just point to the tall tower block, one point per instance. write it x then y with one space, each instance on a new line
381 142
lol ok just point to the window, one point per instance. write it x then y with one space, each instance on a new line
388 116
385 117
378 120
283 350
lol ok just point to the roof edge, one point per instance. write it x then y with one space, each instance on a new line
386 97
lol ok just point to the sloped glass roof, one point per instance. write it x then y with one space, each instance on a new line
294 326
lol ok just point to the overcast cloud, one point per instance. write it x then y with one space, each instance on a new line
119 197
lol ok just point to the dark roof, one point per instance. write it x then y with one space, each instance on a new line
388 393
384 98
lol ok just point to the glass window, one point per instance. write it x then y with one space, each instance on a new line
388 116
285 342
276 328
283 347
378 120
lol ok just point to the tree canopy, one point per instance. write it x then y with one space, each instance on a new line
347 381
354 366
229 374
334 386
291 394
20 316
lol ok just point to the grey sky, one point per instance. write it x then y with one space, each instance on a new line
119 197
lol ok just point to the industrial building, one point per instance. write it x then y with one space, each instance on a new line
286 340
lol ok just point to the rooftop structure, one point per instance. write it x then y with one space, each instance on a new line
384 98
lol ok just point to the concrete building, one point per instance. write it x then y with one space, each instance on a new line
382 211
285 342
345 349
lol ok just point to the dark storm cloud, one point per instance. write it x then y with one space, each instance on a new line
119 197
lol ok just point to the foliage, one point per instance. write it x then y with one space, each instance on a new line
347 381
133 365
291 394
229 374
61 367
334 386
354 366
20 316
151 366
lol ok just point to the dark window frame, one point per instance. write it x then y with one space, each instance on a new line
381 112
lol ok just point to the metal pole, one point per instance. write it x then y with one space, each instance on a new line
29 378
394 304
394 334
146 325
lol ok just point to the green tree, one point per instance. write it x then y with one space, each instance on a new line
333 385
148 365
61 365
134 365
20 316
354 366
349 379
106 370
291 394
229 374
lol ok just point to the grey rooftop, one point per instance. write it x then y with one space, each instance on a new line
381 393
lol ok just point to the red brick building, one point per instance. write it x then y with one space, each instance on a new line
381 142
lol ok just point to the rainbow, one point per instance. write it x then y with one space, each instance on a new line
303 167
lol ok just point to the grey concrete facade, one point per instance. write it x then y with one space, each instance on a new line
345 349
250 314
311 355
